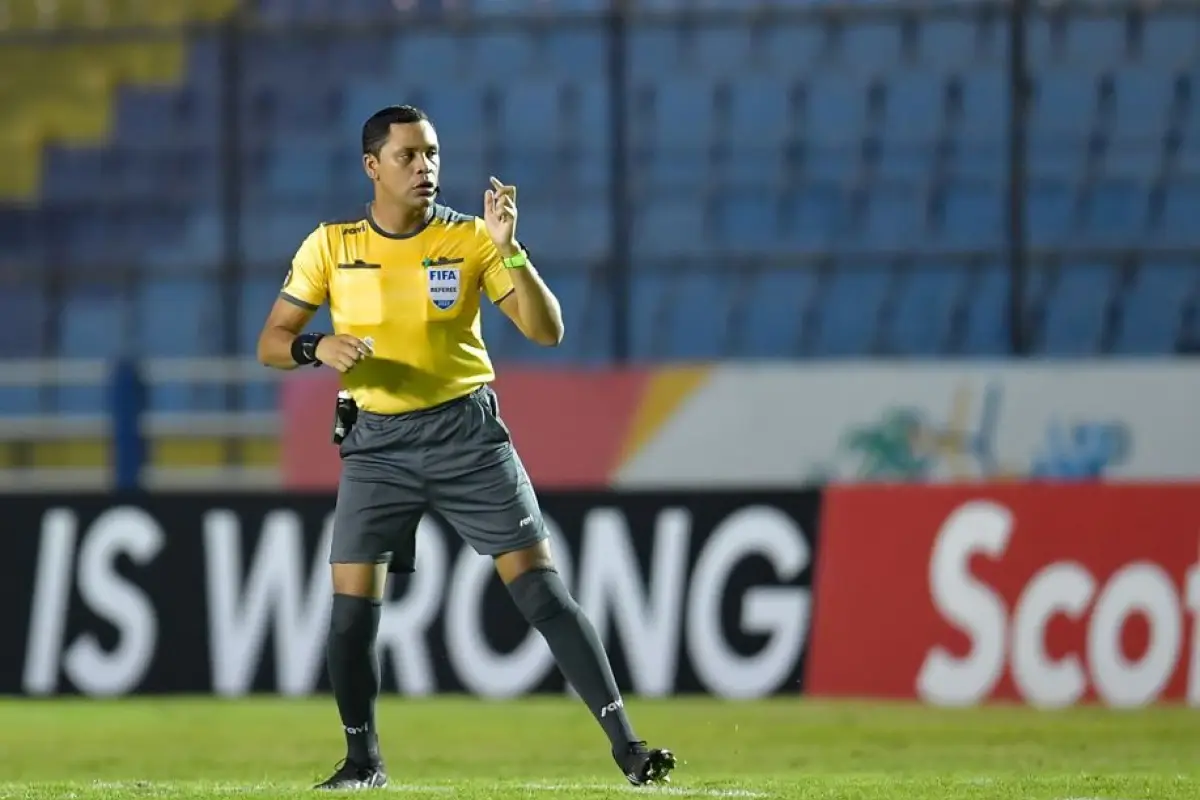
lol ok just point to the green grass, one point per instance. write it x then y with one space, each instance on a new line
463 749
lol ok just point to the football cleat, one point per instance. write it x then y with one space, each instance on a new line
643 767
349 775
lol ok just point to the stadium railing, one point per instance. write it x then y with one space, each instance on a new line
126 429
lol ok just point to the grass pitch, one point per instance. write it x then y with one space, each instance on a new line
464 749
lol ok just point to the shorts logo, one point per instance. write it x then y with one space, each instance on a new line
443 286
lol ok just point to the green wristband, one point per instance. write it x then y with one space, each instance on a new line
515 262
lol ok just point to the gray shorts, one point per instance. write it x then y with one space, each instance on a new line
456 459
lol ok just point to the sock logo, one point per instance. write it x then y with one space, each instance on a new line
359 730
612 708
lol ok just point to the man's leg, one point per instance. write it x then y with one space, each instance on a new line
374 525
482 489
351 658
543 599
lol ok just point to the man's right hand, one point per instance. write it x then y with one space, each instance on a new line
342 352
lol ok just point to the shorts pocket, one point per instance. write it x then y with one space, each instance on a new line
494 429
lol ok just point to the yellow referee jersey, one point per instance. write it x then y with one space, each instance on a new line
415 295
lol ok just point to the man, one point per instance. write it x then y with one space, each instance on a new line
404 283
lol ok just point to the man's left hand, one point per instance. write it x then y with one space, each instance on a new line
500 216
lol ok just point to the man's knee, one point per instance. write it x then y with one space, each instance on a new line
354 619
515 563
359 580
541 595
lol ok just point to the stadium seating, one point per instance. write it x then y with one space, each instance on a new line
801 186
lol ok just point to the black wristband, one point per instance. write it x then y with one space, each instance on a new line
304 348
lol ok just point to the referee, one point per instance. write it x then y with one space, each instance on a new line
404 282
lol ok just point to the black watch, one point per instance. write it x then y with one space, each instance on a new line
304 348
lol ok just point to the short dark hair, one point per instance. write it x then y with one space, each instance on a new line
376 129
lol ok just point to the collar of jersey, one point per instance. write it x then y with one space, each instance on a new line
371 221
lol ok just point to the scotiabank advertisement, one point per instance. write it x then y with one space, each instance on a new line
1045 594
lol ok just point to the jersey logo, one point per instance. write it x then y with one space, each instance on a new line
443 286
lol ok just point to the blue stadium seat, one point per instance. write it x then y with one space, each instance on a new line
573 54
896 219
91 322
927 302
701 307
531 115
74 174
988 331
144 117
650 298
1075 311
199 247
837 109
915 108
973 216
984 106
1180 212
686 113
1095 40
272 235
1044 46
203 59
1050 214
766 102
307 164
987 322
1152 308
677 133
720 52
26 235
947 42
572 234
849 315
816 216
911 163
1169 37
510 50
587 119
979 162
790 49
177 317
1065 104
1117 212
1051 158
1142 106
871 46
670 225
415 53
653 52
746 220
772 312
24 310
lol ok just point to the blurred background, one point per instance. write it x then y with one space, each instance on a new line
699 180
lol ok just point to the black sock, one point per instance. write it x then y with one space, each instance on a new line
549 607
354 672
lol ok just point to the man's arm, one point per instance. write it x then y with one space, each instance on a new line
512 282
285 322
304 289
532 307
